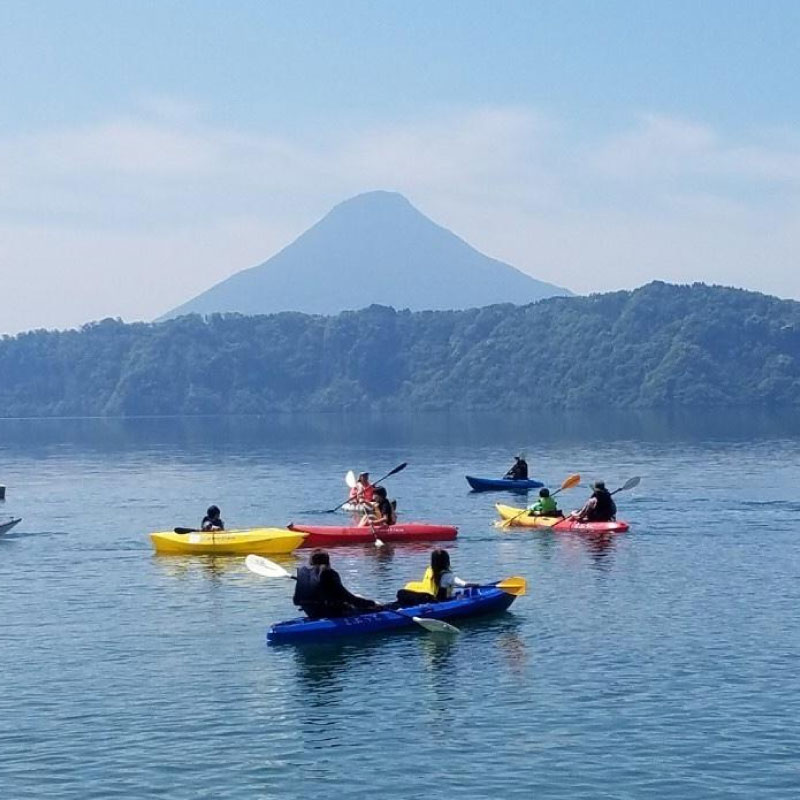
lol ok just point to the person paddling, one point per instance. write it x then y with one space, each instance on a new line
364 490
212 520
381 512
518 470
319 591
600 507
437 583
545 506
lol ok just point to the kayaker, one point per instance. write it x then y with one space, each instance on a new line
600 507
364 490
212 520
320 593
382 510
545 506
518 470
437 583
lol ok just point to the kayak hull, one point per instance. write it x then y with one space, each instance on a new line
8 524
471 602
501 484
558 524
333 535
262 541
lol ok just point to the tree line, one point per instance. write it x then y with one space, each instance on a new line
660 346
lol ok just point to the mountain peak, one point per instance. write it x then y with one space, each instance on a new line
373 248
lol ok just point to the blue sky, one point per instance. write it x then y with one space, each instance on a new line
150 149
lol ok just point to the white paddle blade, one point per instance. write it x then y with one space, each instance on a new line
378 542
436 625
350 478
265 568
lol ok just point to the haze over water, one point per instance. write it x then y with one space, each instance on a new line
659 663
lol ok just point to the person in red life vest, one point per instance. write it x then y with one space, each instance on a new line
365 491
320 593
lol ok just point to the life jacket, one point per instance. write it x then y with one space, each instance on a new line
545 506
426 585
367 492
605 508
307 589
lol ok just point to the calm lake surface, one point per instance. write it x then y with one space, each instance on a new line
661 663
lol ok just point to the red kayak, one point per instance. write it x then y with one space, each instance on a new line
568 524
330 535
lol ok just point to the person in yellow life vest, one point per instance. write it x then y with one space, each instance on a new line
436 585
545 506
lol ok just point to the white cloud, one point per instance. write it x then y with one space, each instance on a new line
134 215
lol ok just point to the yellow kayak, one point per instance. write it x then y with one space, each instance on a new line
525 521
262 541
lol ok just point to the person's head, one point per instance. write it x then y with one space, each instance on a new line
440 562
544 493
599 486
213 512
320 558
380 492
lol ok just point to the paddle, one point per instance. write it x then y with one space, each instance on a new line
378 540
398 468
187 530
629 484
269 569
572 480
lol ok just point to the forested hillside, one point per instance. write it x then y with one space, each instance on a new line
660 346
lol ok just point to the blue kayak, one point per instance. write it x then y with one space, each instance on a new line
501 484
470 602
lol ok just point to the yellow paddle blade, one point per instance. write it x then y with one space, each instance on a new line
572 480
516 585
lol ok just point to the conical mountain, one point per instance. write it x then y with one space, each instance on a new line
374 248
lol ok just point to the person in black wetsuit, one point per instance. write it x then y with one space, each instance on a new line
600 507
519 469
320 593
212 520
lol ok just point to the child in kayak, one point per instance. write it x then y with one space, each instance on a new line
212 520
436 585
600 507
363 491
382 511
545 506
320 593
518 470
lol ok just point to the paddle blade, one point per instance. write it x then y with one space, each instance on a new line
350 478
398 468
265 568
378 542
187 530
436 625
515 585
629 484
572 480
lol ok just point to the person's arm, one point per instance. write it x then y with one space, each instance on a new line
334 589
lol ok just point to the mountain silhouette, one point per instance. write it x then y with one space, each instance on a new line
375 248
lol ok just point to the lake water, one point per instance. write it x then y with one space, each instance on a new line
661 663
